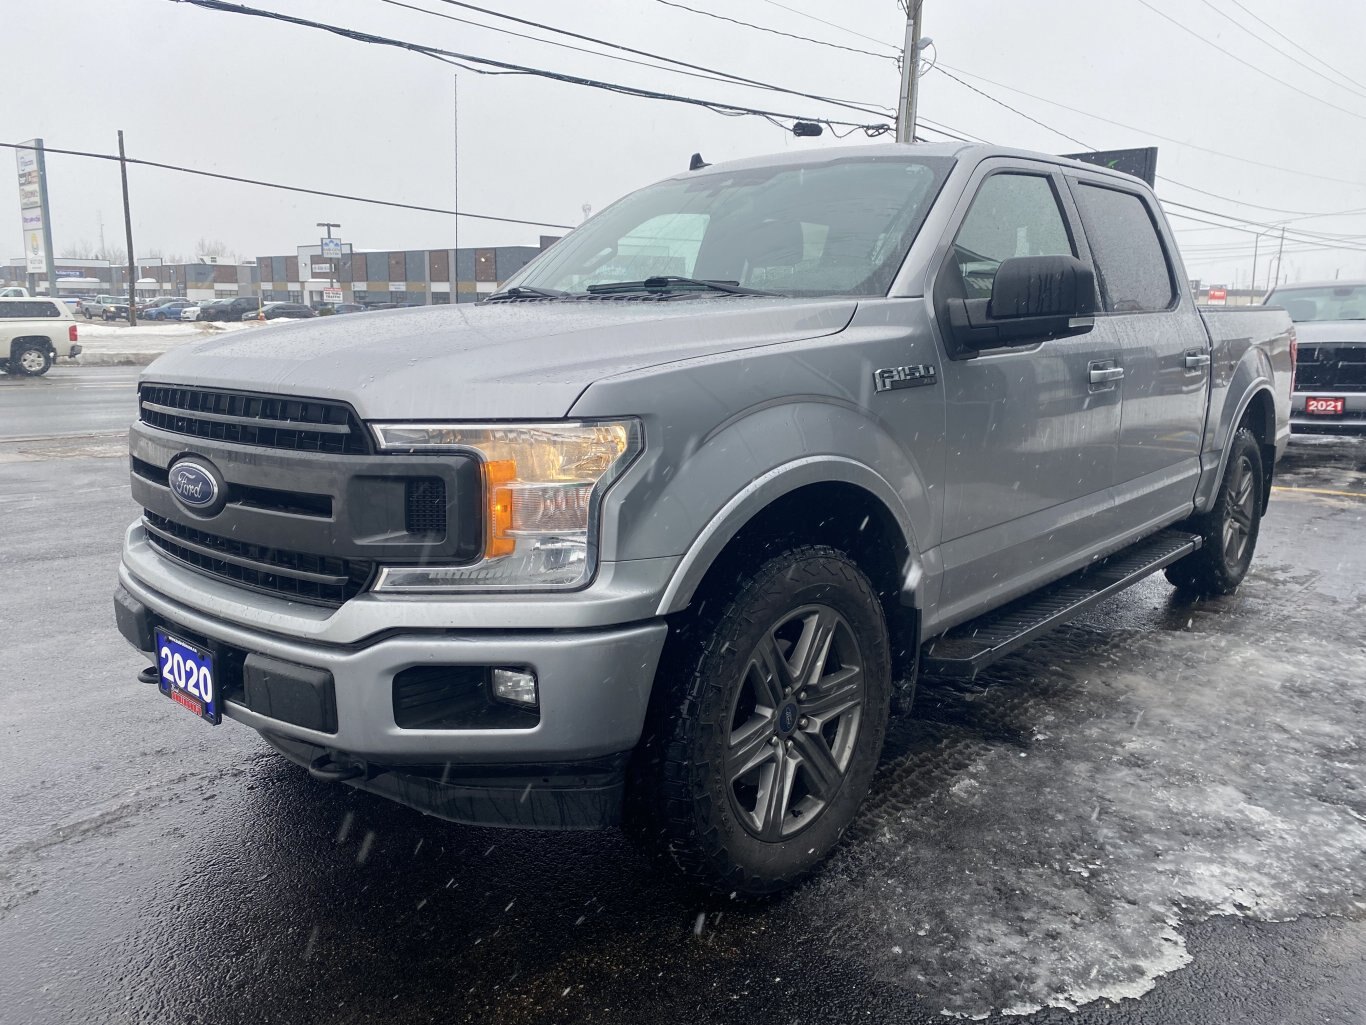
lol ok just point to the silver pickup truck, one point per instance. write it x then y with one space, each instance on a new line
659 534
1330 371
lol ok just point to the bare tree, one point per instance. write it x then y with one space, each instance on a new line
81 250
214 247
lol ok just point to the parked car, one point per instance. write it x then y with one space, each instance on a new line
230 309
278 310
160 301
191 312
348 308
34 333
1330 369
168 310
662 547
106 307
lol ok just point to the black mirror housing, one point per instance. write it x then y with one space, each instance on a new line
1042 286
1033 298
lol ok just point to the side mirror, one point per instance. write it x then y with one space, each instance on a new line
1033 298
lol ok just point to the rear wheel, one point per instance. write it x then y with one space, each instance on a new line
766 726
1230 528
31 359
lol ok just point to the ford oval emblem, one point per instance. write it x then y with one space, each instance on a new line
197 486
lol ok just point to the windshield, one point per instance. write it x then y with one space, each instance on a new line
1324 302
835 228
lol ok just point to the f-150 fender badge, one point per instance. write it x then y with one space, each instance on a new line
892 378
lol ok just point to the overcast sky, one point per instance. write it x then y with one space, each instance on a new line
266 100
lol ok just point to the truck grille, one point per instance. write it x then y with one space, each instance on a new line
317 579
247 418
1331 368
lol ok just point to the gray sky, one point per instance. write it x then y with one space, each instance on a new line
267 100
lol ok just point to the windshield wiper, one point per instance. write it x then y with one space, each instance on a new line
527 292
668 282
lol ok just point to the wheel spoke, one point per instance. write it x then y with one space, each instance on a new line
770 811
751 746
838 692
817 762
769 674
813 647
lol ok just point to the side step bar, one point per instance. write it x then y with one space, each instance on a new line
969 648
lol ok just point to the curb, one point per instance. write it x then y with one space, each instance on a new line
115 359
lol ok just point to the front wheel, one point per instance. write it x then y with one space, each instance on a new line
766 726
30 359
1229 530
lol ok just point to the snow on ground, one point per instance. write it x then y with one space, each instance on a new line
1075 806
175 329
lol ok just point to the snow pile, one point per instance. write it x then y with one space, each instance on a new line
1066 819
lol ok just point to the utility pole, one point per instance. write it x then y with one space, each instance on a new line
128 233
1279 253
1256 243
910 74
331 263
455 185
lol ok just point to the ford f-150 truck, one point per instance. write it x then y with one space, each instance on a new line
660 533
1330 373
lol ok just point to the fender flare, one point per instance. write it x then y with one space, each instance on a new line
767 488
1208 492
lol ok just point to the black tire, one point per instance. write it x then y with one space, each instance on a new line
749 772
30 359
1229 529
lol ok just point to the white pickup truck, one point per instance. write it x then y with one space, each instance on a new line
34 333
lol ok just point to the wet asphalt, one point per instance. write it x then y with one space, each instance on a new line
1157 814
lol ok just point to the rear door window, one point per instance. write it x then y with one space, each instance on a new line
1131 264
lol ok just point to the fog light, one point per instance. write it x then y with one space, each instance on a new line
515 685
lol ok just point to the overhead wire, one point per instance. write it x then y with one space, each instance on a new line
1248 64
739 79
1296 45
775 31
1288 56
830 24
446 56
286 188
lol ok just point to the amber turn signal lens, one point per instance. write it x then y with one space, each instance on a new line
498 541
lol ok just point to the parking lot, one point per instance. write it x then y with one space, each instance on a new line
1157 814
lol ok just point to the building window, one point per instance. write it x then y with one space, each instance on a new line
295 297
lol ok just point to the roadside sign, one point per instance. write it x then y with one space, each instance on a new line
332 295
1141 163
1218 295
332 248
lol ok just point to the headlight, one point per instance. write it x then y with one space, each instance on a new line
543 484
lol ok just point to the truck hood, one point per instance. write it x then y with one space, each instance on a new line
528 360
1331 332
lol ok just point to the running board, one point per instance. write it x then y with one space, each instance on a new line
969 648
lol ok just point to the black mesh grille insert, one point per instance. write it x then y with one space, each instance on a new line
425 506
318 579
1331 368
246 418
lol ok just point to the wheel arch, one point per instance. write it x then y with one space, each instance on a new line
829 501
1259 416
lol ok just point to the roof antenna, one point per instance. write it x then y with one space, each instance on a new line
697 163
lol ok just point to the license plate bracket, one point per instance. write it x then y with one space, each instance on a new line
1325 405
186 675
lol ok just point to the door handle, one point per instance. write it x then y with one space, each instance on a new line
1105 375
1196 360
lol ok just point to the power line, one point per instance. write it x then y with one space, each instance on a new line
449 56
1298 172
1288 56
655 56
1252 231
288 188
1248 64
831 24
776 32
1296 45
1013 110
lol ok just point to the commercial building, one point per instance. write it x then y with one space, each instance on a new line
422 276
207 278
